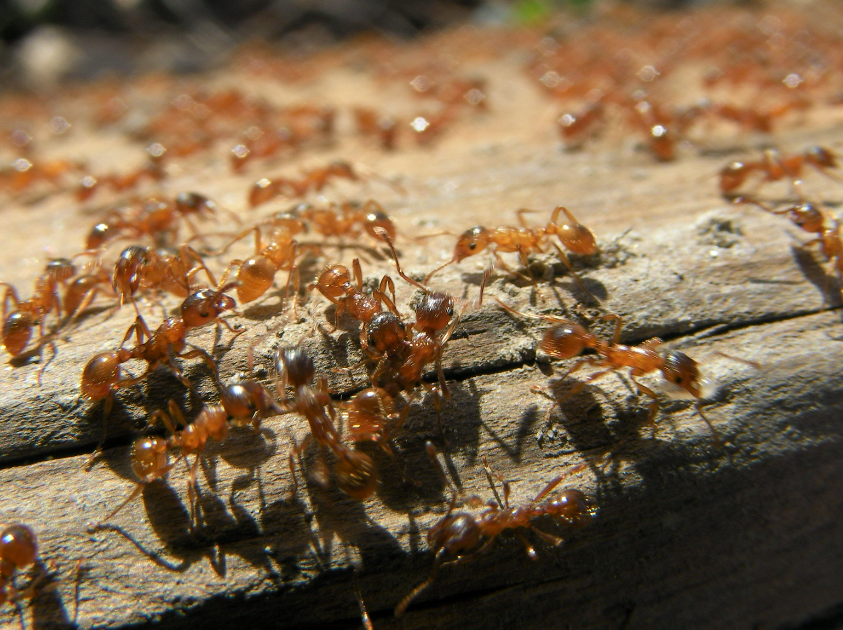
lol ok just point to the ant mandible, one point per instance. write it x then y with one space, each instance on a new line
459 537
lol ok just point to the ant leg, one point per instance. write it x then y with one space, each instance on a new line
547 318
714 434
364 614
437 562
654 406
358 273
504 484
522 211
618 325
384 235
199 352
44 365
386 284
565 261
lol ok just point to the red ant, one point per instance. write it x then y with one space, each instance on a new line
815 220
101 376
256 274
354 470
566 340
152 169
18 550
241 403
18 325
460 537
574 236
776 167
315 180
336 285
156 217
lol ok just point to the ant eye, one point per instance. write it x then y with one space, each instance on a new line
450 310
472 246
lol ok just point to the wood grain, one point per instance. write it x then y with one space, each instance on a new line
688 534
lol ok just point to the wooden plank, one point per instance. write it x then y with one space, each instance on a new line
688 534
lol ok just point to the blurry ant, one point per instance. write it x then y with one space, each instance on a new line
566 340
460 537
813 219
574 236
18 550
315 180
776 167
18 325
152 168
156 218
354 470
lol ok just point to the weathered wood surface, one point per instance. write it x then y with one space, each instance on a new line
689 534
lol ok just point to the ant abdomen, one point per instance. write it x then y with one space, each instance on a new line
255 277
566 341
17 330
571 505
455 533
18 548
356 474
294 367
149 458
99 374
434 312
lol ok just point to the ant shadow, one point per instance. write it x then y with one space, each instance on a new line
828 286
47 609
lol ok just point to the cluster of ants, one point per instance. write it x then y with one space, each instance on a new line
166 250
402 351
783 66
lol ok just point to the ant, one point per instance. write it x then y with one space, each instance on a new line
18 325
460 537
335 283
574 236
18 550
315 180
241 403
566 340
813 219
256 274
156 217
369 216
354 470
406 356
776 167
101 376
153 169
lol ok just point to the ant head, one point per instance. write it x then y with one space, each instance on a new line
566 340
356 474
573 506
294 366
18 548
341 168
377 219
681 370
471 242
454 533
373 401
98 236
194 203
204 306
434 312
386 333
820 157
807 216
149 458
